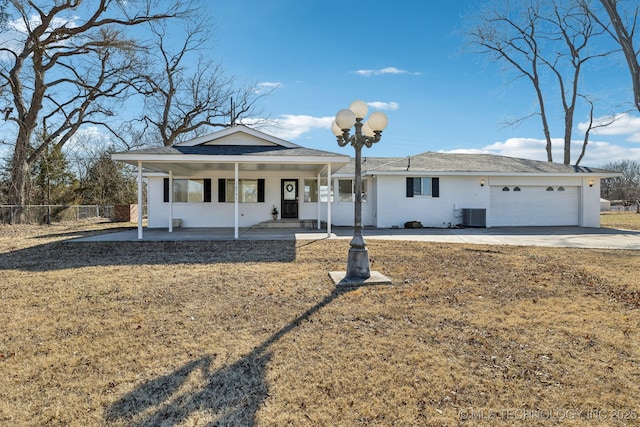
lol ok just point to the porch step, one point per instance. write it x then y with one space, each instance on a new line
289 223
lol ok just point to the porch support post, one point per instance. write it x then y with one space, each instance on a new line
170 201
139 200
235 195
329 191
318 200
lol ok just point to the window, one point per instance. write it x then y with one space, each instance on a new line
423 186
188 190
311 190
517 189
505 188
196 190
560 188
346 192
180 190
549 188
249 190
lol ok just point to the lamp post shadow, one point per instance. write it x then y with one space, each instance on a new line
232 394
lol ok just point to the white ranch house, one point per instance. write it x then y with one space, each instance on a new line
233 178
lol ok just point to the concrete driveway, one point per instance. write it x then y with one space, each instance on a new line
571 237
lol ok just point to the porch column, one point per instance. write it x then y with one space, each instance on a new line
329 188
318 201
170 201
139 200
235 195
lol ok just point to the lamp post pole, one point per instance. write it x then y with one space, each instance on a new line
365 135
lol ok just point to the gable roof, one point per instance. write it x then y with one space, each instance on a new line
465 164
238 135
249 148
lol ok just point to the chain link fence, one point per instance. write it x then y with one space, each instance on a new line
47 214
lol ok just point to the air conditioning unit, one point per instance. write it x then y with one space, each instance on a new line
474 217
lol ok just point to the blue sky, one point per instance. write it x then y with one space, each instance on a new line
408 57
404 57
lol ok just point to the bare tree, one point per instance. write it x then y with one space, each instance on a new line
180 100
624 188
536 39
63 72
623 30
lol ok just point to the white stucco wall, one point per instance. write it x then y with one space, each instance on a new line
590 215
387 205
215 214
342 213
394 208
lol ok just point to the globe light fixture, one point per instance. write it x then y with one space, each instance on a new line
365 134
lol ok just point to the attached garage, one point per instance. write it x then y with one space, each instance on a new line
534 206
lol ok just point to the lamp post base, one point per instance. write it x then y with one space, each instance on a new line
340 279
358 263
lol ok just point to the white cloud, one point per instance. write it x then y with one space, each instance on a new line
290 126
15 34
597 154
624 124
391 106
387 70
89 138
270 85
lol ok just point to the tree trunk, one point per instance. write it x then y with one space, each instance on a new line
625 39
20 174
18 190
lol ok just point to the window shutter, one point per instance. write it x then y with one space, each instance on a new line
409 187
166 190
435 187
261 190
222 190
207 190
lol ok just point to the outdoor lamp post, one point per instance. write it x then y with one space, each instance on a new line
365 134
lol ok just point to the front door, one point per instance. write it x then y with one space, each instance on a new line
289 198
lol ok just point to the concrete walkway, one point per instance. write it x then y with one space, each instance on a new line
571 237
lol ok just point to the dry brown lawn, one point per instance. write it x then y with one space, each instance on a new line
625 221
254 333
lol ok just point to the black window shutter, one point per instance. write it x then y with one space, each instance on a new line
261 190
435 187
166 190
409 187
222 190
207 190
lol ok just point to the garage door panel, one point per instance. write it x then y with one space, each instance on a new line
534 206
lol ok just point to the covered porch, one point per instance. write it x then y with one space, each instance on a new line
233 179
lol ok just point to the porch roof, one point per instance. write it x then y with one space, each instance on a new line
250 149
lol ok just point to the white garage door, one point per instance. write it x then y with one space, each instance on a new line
524 206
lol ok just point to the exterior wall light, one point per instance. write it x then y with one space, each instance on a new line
482 183
591 182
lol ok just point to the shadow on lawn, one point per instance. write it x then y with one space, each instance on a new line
232 394
63 255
